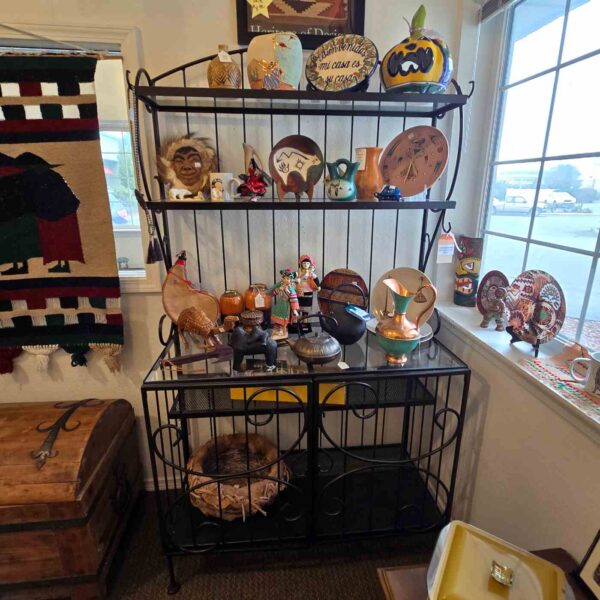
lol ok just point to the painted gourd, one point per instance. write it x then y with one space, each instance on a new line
420 63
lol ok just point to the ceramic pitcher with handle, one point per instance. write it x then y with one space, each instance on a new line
342 185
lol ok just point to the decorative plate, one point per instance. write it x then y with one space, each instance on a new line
342 64
412 279
486 293
296 164
414 160
346 294
536 306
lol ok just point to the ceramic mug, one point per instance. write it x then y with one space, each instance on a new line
223 187
591 379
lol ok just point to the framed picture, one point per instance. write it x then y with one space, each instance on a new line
313 21
589 569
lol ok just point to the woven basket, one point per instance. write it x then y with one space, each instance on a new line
240 496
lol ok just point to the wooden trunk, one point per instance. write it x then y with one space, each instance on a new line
69 476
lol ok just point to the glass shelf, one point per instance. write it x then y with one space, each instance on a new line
362 361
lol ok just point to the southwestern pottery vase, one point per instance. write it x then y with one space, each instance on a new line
420 63
398 335
223 72
275 61
369 179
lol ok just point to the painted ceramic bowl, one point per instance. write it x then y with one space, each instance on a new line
343 63
296 164
275 61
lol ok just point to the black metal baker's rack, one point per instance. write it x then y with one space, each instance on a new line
372 449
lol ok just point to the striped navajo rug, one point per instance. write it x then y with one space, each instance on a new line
59 286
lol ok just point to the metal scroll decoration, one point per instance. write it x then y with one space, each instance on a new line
46 450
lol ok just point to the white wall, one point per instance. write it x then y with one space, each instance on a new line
530 472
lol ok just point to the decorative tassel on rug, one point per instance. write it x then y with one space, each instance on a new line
110 353
7 355
42 355
77 352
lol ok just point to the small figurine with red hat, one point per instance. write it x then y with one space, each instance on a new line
284 309
308 282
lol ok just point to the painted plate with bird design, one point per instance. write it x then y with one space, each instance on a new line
537 307
415 159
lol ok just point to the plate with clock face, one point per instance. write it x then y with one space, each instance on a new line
414 160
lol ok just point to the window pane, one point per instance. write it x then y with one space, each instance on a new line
574 129
512 195
525 119
569 269
504 255
582 29
590 336
570 203
130 255
535 36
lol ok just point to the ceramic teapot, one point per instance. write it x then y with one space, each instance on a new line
342 185
346 329
318 348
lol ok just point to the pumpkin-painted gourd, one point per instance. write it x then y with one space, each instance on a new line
420 63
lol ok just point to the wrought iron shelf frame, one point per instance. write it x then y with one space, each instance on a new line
340 487
157 98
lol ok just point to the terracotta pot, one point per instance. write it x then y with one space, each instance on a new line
231 303
257 289
369 179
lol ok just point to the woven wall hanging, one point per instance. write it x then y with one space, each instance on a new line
59 284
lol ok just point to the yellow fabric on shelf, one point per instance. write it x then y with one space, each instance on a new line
338 397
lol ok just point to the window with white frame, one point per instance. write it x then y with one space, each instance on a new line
543 194
115 144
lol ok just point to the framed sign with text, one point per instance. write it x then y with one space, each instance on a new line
313 21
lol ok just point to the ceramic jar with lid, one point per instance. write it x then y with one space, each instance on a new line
231 302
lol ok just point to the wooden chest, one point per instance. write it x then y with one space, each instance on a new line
69 476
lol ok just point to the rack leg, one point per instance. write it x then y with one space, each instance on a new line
174 586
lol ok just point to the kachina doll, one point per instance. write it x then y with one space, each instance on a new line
308 282
284 308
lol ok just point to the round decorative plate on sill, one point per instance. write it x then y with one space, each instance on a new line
537 308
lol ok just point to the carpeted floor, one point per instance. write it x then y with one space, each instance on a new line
325 572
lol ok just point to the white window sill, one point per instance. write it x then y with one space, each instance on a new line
495 346
141 282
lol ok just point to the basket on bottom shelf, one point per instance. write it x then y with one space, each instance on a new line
236 455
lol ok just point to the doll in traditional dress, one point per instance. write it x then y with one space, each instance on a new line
284 308
308 282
